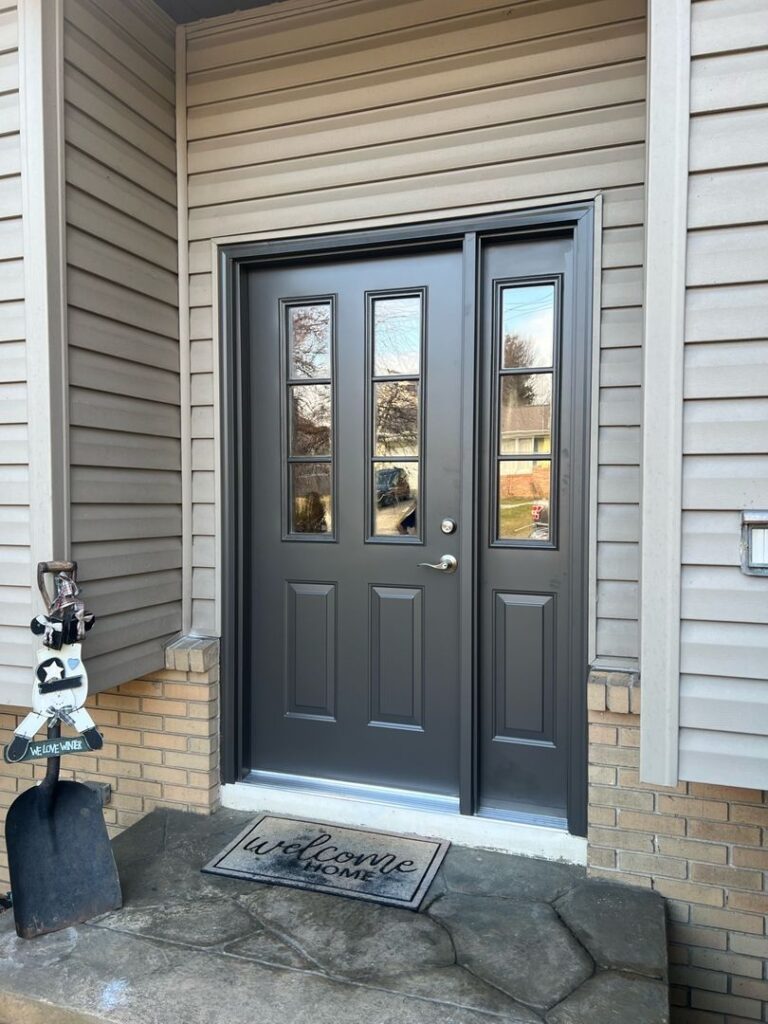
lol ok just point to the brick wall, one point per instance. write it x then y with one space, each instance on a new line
700 846
161 742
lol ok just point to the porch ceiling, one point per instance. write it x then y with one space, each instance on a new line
183 11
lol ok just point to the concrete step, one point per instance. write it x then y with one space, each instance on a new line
499 939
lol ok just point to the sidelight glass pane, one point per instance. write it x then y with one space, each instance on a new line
397 336
527 325
311 506
525 415
396 417
524 499
395 499
310 419
309 340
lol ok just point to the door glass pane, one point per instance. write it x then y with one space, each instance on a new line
396 417
310 418
309 340
397 336
524 499
310 484
525 416
527 325
395 499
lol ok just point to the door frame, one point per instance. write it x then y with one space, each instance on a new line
467 234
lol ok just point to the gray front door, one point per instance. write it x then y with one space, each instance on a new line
355 385
374 411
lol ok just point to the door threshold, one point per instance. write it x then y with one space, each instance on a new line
412 799
392 810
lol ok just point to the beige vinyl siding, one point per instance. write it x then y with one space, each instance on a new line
15 535
119 88
724 629
304 117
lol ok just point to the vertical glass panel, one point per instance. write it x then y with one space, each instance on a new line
395 499
310 419
527 325
396 417
396 336
311 510
525 416
524 499
309 340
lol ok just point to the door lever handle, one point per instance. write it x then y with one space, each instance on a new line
447 563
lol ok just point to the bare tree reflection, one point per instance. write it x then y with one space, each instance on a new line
310 341
311 419
397 418
397 336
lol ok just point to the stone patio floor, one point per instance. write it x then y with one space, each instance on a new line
499 939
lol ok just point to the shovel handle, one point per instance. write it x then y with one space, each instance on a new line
53 764
43 568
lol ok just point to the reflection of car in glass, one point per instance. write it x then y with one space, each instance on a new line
392 486
540 517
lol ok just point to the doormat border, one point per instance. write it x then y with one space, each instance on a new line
442 847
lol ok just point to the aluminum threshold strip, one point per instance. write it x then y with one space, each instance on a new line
355 791
394 797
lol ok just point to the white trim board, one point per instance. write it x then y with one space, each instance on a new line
42 197
41 61
666 197
464 830
185 382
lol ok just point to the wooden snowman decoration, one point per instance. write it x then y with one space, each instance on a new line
60 685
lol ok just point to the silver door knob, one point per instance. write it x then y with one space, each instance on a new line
447 563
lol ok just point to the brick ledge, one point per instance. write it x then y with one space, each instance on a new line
192 654
613 690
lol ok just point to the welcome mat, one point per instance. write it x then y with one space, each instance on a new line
380 866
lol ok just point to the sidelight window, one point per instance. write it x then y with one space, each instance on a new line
395 403
309 417
526 357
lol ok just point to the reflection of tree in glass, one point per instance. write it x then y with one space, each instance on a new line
309 516
397 333
310 341
397 418
518 351
311 419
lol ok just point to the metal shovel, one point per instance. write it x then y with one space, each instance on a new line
60 859
59 855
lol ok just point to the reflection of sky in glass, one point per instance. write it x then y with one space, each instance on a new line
396 336
528 315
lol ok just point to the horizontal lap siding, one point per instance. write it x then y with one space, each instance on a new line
301 120
125 424
15 554
724 631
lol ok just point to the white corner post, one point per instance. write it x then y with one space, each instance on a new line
666 209
185 368
41 100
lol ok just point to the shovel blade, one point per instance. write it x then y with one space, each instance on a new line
60 859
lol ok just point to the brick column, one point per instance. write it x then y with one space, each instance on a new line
700 846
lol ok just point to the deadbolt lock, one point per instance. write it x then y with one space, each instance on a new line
448 526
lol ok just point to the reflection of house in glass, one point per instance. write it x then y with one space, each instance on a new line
525 430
